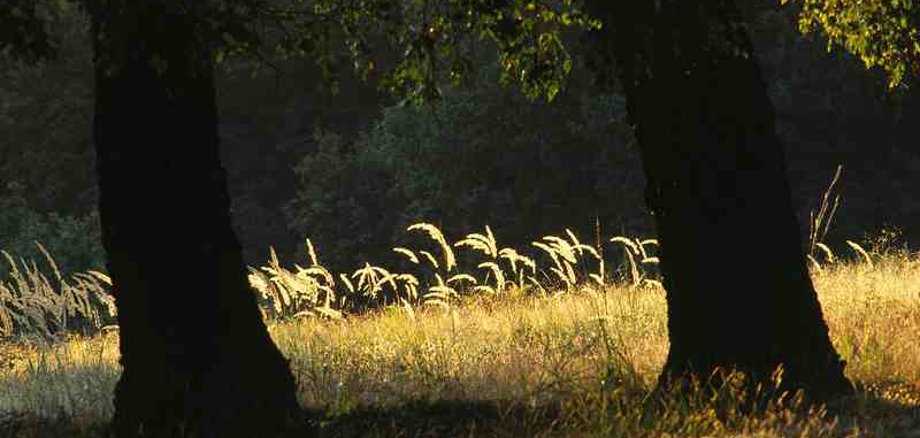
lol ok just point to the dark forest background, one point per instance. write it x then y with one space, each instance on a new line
350 167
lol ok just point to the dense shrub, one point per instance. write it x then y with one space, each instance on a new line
348 200
73 240
46 114
480 156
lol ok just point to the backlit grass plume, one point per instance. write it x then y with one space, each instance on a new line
32 304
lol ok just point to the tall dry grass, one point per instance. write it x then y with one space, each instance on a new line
506 348
36 307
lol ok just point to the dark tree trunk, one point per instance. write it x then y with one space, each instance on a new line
197 358
738 292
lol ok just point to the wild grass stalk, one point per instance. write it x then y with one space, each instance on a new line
580 360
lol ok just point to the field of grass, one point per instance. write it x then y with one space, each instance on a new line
575 363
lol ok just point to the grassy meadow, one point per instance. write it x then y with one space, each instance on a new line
554 350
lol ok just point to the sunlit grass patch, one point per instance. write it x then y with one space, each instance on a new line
577 358
873 314
588 360
73 380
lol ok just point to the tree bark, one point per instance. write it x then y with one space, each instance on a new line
738 291
196 356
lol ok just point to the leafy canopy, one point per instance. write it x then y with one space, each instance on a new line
413 47
24 28
883 33
416 46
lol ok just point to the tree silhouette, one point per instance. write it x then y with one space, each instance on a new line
738 290
196 357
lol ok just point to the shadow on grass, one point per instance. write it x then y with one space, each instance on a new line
24 425
890 409
416 419
872 411
443 418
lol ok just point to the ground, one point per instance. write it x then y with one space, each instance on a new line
575 363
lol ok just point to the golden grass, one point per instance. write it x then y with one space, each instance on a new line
573 364
36 306
873 312
74 379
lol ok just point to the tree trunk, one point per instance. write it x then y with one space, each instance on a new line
738 292
197 358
